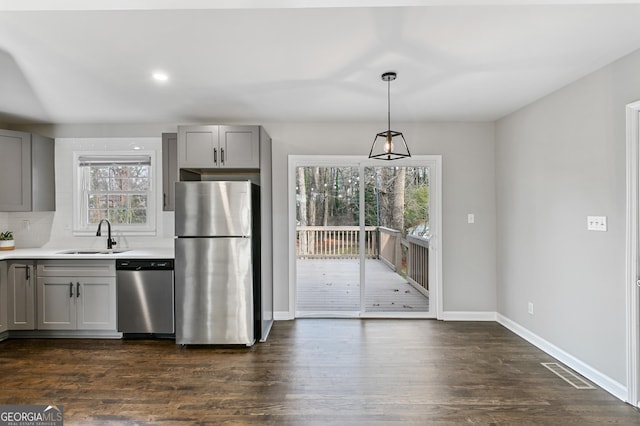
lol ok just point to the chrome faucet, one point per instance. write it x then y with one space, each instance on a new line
110 241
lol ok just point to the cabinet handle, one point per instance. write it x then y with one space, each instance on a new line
222 156
164 199
215 156
70 289
78 289
26 273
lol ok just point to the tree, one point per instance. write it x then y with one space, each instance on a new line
395 197
397 201
301 204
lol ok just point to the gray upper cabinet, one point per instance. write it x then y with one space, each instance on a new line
169 169
27 173
210 147
198 146
240 147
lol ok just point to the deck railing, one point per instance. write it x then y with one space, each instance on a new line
408 256
417 255
335 242
390 248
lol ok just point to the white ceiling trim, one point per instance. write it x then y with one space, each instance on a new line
87 5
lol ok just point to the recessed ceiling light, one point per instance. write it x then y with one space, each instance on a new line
160 76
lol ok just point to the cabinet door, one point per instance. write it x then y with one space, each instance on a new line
240 147
169 169
21 296
96 309
15 171
56 303
43 175
198 147
3 297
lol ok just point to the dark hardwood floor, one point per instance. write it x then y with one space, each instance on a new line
309 372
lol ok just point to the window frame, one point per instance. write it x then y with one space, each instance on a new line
80 206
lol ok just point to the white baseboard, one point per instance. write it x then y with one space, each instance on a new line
65 334
283 316
605 382
446 316
467 316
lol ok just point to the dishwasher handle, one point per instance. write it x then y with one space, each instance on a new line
144 264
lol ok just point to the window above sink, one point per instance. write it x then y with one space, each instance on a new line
118 186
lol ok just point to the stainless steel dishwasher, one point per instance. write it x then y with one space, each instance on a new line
145 297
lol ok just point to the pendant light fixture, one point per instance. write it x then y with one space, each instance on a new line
389 145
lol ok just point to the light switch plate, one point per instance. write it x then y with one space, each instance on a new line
471 218
596 223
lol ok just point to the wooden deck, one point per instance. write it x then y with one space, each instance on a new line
333 285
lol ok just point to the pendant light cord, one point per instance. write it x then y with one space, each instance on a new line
389 105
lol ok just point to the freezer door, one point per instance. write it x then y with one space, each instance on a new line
214 291
213 209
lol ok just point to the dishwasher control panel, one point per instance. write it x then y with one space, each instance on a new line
144 264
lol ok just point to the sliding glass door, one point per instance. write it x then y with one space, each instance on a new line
363 233
327 240
397 208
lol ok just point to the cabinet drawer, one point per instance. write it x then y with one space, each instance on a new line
76 268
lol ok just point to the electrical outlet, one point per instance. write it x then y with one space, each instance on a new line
530 308
471 218
597 223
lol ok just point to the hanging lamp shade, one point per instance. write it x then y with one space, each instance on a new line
390 144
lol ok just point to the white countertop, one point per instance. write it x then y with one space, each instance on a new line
50 253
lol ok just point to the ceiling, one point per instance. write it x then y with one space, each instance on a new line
84 61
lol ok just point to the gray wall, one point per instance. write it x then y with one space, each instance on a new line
559 160
97 130
468 187
467 150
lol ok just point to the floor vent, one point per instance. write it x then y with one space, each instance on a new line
567 375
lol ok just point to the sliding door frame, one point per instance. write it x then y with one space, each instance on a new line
434 162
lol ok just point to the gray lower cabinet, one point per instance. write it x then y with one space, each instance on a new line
27 172
21 295
3 297
76 295
212 146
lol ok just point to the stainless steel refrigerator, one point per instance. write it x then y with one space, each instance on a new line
217 265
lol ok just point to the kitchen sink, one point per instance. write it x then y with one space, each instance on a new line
90 251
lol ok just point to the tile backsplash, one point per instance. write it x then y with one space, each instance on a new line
30 229
54 229
4 222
